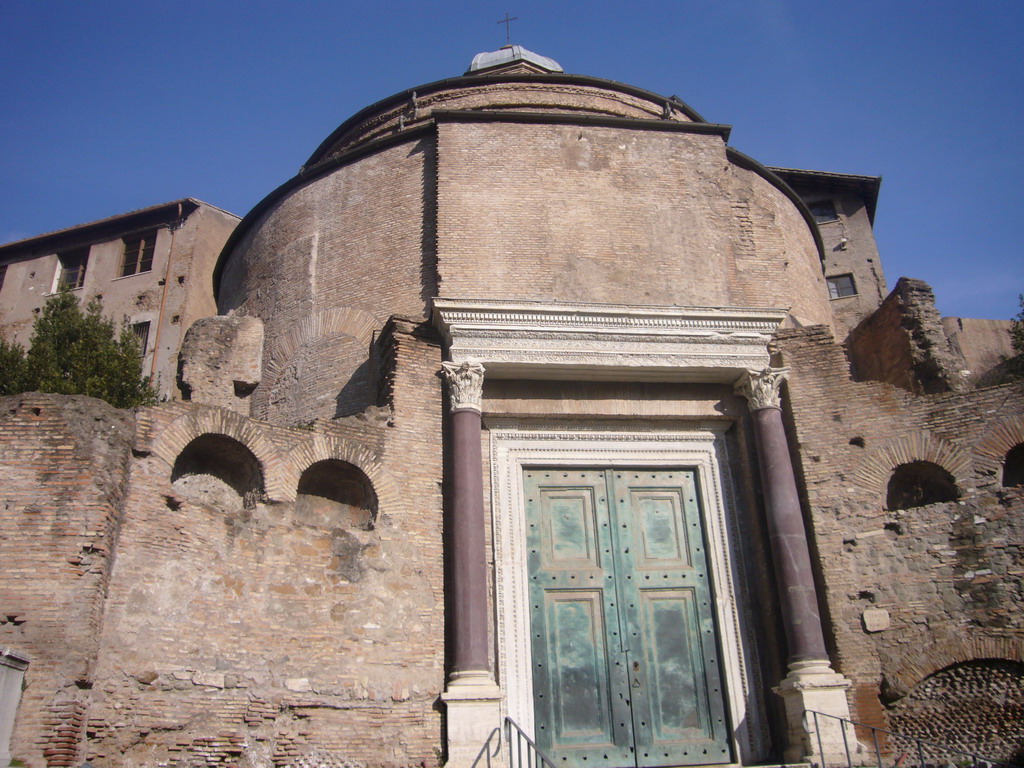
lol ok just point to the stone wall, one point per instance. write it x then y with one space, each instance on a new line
903 343
221 361
909 591
176 618
64 463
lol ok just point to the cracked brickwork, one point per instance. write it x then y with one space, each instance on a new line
948 575
256 635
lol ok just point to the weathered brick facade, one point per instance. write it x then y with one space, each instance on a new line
262 574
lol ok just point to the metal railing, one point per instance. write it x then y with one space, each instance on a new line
866 745
522 752
523 745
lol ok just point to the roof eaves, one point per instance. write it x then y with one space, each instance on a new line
82 232
868 186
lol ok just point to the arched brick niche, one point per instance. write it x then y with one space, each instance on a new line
170 440
881 465
333 493
919 483
976 706
993 451
1013 466
218 471
357 454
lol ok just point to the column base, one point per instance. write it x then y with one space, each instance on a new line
813 686
473 702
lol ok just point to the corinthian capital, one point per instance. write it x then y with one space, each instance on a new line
762 388
465 383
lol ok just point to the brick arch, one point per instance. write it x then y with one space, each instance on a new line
991 450
344 321
957 650
877 467
203 420
323 447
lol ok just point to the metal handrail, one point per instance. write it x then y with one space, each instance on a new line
522 751
899 759
535 758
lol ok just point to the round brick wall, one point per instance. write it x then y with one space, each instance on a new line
546 205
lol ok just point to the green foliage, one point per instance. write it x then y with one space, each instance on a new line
13 374
1015 364
77 352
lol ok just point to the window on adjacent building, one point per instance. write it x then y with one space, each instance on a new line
72 268
823 210
141 331
3 274
841 285
138 254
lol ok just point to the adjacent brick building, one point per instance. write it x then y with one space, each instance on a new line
528 397
151 268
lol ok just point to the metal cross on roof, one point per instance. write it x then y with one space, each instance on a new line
507 21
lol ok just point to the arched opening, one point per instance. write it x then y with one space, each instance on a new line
334 493
218 471
1013 466
976 706
918 484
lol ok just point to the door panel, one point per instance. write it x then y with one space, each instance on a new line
625 652
578 677
580 685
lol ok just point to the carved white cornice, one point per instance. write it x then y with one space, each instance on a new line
517 339
762 388
465 383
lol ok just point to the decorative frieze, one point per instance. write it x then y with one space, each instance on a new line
610 342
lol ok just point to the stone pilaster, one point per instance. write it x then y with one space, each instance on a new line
472 698
811 684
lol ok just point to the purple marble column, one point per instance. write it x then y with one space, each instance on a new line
468 545
793 574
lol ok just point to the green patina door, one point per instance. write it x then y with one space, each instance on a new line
625 658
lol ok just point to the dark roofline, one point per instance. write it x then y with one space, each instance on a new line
464 81
549 118
105 229
867 186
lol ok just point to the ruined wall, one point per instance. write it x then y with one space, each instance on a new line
983 343
63 471
249 614
913 591
619 216
221 361
903 343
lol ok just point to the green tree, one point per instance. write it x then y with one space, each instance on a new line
1015 364
12 368
78 352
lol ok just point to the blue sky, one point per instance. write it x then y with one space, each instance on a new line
112 106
